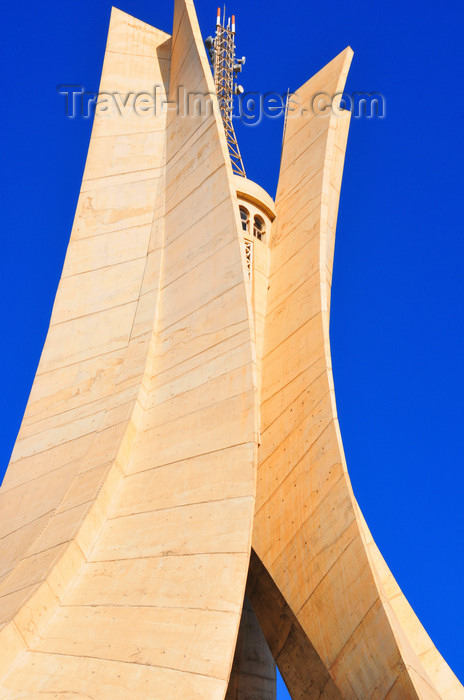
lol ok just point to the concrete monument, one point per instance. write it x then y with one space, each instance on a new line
177 515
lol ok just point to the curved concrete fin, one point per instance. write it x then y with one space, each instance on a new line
402 614
128 504
94 355
308 533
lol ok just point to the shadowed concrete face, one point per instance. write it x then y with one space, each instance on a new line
303 671
254 670
183 407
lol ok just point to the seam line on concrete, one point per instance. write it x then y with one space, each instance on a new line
122 347
30 481
187 459
297 252
157 171
153 407
306 389
188 231
223 341
303 456
123 661
79 437
179 506
133 301
294 427
305 521
110 232
193 192
177 377
303 124
127 133
201 262
377 602
142 278
186 147
109 396
160 557
214 611
281 203
69 538
29 522
181 417
353 540
196 136
93 414
20 635
103 267
283 304
92 432
310 144
147 56
175 35
18 590
395 680
163 555
415 670
185 56
287 338
129 182
297 376
204 306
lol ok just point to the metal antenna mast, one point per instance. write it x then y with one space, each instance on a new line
225 67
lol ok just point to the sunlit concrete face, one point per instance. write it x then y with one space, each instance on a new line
180 444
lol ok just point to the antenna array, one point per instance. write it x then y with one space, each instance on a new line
221 51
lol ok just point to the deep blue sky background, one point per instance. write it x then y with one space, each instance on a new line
397 322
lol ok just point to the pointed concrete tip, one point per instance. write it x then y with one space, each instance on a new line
349 52
115 12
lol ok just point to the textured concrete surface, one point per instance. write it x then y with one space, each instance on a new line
308 531
126 511
183 410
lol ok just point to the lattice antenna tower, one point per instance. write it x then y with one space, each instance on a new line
225 66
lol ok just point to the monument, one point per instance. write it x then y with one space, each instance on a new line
177 515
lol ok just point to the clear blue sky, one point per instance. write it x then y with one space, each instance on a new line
397 321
